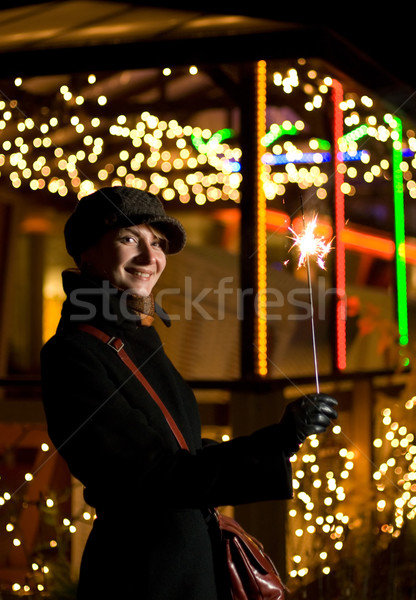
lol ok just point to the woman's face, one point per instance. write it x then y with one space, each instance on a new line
131 258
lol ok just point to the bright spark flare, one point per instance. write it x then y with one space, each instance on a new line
309 244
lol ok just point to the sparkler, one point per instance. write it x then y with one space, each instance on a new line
309 245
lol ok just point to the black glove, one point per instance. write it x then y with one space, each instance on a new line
308 415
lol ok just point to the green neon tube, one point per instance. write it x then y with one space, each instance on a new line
399 231
277 132
355 134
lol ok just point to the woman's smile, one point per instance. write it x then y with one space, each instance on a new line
140 274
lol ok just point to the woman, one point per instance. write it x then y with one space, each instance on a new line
151 537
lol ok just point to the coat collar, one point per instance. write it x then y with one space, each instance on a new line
89 299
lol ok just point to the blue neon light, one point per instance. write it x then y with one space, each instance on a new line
308 158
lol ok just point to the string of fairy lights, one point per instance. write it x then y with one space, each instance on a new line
318 523
198 166
25 144
320 516
395 472
185 162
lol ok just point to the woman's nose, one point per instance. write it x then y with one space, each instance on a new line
146 253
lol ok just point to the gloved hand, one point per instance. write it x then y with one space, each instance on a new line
308 415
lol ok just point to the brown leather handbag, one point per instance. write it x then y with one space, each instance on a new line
251 573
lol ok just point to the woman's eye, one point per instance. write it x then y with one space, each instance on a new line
161 244
128 239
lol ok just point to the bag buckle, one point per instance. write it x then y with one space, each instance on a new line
115 343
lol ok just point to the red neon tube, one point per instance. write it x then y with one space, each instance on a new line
340 309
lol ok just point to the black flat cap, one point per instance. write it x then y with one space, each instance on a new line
114 207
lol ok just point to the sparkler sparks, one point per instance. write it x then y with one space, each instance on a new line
310 245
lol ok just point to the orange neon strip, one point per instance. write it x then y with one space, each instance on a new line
278 222
410 253
375 245
261 325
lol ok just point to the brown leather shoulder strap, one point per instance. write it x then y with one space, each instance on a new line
117 345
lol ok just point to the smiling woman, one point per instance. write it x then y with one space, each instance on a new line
157 532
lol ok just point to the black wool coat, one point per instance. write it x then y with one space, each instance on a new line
150 539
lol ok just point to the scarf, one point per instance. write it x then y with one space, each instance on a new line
144 307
